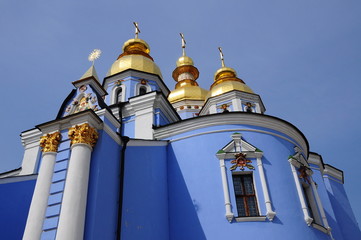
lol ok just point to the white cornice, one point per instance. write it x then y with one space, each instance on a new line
104 112
333 172
92 82
234 118
84 117
30 137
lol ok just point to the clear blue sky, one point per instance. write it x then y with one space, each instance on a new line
302 57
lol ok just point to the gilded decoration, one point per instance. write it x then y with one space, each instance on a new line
83 134
304 174
241 162
50 142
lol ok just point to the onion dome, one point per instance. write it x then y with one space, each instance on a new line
186 75
135 56
226 80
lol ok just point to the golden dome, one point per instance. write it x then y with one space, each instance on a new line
135 56
225 80
187 93
184 60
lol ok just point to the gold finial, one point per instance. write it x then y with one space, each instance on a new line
94 55
222 57
137 30
50 142
83 134
183 44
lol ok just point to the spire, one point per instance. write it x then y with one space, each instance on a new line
186 74
137 30
91 72
222 57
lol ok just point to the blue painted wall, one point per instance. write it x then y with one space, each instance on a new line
145 207
102 204
15 199
196 202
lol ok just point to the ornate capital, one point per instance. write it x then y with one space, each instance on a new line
83 134
50 142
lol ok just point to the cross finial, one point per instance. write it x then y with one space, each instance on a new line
222 57
183 44
137 30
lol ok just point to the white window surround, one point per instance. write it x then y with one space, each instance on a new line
295 162
139 85
115 93
239 144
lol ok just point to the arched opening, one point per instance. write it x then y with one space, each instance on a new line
119 95
142 90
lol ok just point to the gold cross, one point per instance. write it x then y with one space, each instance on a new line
183 44
222 57
137 30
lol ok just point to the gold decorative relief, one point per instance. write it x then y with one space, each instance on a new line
50 142
83 134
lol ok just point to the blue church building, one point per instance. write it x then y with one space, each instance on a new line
127 158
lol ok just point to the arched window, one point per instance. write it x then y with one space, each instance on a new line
142 90
119 95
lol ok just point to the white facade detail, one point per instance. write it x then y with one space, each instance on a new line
72 214
306 215
227 201
39 202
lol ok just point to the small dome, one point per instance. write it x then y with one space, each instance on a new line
228 86
136 62
135 56
187 93
225 80
184 60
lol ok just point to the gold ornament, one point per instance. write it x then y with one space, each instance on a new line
50 142
83 134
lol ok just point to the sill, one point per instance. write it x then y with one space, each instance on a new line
251 219
320 227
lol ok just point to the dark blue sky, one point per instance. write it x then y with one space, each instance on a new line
302 57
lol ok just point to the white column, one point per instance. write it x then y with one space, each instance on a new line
237 105
39 202
307 217
320 207
227 201
270 213
72 215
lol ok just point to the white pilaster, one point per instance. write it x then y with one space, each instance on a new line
39 201
270 213
227 201
306 215
144 124
237 105
72 214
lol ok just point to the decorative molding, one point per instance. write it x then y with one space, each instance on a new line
146 143
251 219
83 133
50 142
239 118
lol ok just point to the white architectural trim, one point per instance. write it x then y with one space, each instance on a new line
227 201
233 130
270 213
114 95
306 215
39 202
138 86
258 120
72 214
146 143
251 219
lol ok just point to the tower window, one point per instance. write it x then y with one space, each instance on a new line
142 90
119 95
246 200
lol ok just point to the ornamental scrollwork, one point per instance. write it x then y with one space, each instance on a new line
241 161
50 142
83 133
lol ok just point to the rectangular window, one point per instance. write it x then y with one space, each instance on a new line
245 195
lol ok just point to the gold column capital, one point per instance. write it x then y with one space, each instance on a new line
50 142
83 133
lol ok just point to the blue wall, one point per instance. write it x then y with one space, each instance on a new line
15 199
102 204
145 207
196 202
